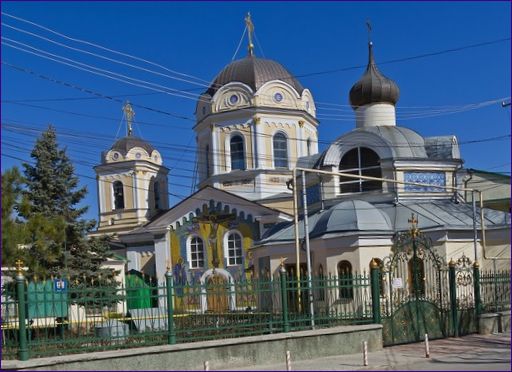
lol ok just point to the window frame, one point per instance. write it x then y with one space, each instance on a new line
242 151
346 282
190 245
238 259
285 160
360 170
115 194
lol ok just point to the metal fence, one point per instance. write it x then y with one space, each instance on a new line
47 318
495 290
58 321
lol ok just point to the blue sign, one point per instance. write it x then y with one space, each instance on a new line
60 285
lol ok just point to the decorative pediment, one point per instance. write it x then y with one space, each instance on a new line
213 204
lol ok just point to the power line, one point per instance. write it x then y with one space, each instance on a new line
205 81
95 93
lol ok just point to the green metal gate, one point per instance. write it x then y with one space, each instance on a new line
424 295
416 296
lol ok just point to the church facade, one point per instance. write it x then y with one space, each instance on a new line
254 125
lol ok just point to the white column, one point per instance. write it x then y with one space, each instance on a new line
215 150
101 194
133 260
260 145
162 255
255 143
301 143
135 192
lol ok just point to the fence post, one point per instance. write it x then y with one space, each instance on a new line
453 297
284 299
476 284
171 331
375 284
22 327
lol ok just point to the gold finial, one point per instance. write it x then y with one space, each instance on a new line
374 264
414 225
19 267
129 113
282 261
451 263
250 30
476 264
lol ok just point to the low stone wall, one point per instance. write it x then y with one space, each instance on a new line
488 323
228 353
505 321
494 322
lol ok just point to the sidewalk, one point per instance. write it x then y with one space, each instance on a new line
474 352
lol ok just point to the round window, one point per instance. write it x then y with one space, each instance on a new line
278 97
233 99
138 155
115 156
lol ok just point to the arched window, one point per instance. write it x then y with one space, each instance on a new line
416 276
118 195
363 162
233 249
156 192
237 152
207 160
345 279
308 144
196 251
280 151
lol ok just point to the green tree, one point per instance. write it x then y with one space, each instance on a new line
57 231
85 261
36 240
13 229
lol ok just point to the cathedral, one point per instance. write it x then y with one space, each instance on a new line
255 123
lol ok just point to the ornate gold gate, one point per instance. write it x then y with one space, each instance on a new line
417 300
217 293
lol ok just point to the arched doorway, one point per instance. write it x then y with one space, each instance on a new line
217 291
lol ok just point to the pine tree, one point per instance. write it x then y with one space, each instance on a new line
13 230
58 235
51 181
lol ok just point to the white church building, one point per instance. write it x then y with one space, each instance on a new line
254 125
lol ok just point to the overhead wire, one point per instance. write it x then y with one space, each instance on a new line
212 84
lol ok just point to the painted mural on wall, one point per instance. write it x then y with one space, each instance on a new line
215 237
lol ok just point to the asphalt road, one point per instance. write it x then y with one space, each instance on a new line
469 353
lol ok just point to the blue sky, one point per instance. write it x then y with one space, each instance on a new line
200 38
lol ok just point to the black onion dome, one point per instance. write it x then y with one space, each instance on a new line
127 143
373 86
253 72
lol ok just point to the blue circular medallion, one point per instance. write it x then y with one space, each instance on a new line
278 97
233 99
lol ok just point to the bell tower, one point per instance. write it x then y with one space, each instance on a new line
131 180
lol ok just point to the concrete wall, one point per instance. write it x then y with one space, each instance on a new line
229 353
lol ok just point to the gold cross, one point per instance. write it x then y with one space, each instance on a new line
250 30
129 113
414 225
